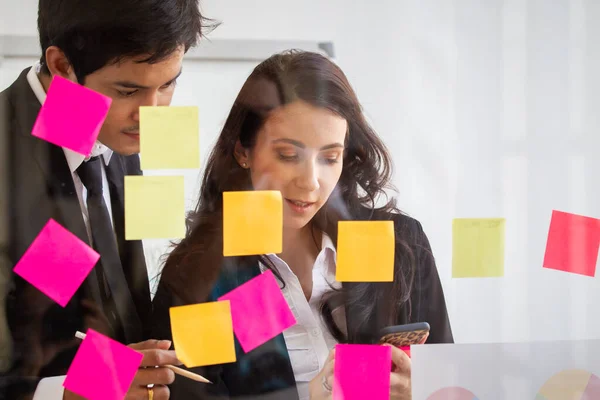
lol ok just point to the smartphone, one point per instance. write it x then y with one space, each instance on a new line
404 335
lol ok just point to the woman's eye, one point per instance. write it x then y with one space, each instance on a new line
332 158
288 157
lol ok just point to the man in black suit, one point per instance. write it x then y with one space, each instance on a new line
131 51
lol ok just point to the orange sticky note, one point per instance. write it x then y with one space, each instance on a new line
365 251
252 223
203 334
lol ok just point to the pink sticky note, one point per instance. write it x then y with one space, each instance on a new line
259 311
57 262
573 242
71 116
102 369
362 372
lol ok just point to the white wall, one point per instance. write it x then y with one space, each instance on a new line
489 108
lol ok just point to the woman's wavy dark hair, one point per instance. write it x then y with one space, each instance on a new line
194 264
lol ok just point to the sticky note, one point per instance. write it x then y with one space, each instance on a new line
154 207
365 251
573 242
169 138
203 334
71 116
103 369
259 311
252 223
57 262
478 247
577 384
362 372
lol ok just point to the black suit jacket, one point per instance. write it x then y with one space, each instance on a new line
38 186
266 372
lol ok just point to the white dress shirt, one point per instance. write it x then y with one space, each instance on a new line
51 388
309 341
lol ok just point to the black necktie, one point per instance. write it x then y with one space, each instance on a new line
116 297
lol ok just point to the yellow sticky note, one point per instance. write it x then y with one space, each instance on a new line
169 138
478 247
365 251
252 223
154 207
203 334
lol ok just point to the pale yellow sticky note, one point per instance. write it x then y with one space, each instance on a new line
478 247
252 223
169 138
365 251
569 384
203 334
154 207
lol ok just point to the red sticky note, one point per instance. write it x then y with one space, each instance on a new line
573 242
71 116
57 262
362 372
102 369
259 311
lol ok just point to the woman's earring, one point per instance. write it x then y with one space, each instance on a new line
244 165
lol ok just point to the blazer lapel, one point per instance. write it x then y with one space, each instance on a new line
53 166
50 159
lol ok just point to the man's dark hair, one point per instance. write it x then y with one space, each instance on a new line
95 33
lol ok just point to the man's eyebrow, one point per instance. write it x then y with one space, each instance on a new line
133 85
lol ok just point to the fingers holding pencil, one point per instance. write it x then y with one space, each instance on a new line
157 354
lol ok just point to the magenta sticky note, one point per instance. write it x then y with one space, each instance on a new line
57 262
259 311
362 371
102 369
71 116
573 242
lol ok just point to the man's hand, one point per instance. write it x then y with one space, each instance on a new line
152 372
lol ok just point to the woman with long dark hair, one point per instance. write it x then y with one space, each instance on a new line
297 127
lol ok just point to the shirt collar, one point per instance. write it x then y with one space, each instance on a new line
327 243
328 248
74 159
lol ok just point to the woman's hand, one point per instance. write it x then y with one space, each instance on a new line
320 386
400 387
400 383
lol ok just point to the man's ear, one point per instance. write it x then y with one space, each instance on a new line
58 64
242 155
